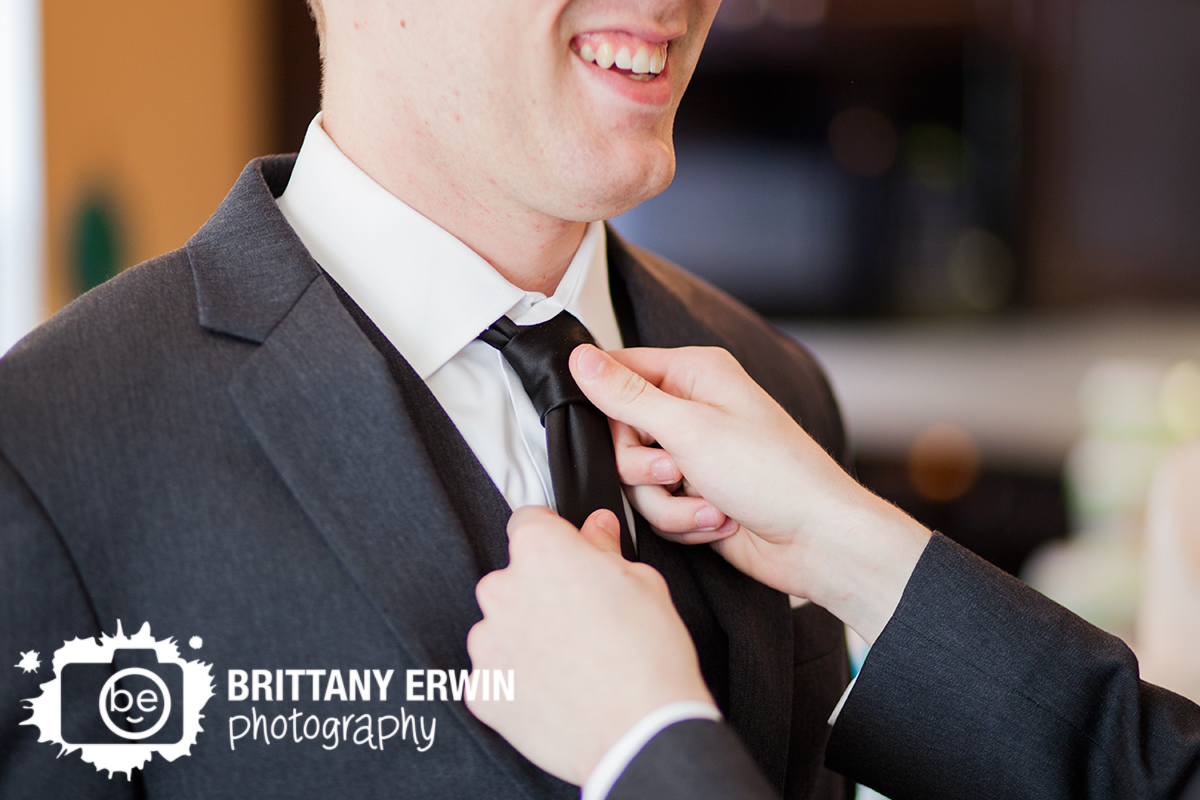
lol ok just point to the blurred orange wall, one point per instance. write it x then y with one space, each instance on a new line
160 105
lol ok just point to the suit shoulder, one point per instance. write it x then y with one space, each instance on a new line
124 343
137 303
717 309
729 318
777 362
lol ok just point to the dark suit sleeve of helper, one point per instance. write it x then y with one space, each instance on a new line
980 687
693 760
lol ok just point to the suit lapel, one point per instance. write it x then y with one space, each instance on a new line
321 402
323 407
480 507
755 619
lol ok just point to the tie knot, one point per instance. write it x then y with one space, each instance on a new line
539 354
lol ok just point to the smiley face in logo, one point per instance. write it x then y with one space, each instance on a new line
122 701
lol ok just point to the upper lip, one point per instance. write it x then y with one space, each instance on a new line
653 35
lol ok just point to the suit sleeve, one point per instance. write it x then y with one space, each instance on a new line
42 605
693 760
979 687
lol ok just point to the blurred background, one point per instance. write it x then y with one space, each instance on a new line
983 216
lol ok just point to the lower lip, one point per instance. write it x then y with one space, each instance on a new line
654 92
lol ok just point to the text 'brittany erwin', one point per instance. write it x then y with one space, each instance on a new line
264 685
420 684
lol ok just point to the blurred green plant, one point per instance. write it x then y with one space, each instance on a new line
96 242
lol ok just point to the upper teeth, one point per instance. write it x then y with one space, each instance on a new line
649 59
604 55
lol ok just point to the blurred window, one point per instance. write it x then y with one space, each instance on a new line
21 172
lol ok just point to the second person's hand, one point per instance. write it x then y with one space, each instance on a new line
797 522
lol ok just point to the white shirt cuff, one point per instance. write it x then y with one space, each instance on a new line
838 708
619 756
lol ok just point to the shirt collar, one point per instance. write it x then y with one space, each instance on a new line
428 293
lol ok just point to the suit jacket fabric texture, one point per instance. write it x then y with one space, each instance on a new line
210 443
979 687
696 760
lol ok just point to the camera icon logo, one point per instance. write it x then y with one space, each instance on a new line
134 692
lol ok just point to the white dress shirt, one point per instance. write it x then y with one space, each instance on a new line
431 295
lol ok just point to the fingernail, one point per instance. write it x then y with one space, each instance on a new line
590 361
609 523
664 470
708 517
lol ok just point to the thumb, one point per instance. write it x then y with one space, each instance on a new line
603 531
620 392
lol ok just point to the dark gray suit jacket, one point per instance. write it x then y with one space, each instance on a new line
978 688
211 443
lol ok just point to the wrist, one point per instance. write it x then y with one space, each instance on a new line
859 563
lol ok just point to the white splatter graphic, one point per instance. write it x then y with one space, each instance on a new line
195 643
129 755
29 662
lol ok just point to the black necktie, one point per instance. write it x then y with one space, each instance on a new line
583 465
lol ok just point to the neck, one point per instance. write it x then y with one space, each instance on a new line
530 249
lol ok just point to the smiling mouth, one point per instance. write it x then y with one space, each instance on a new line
135 720
620 52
